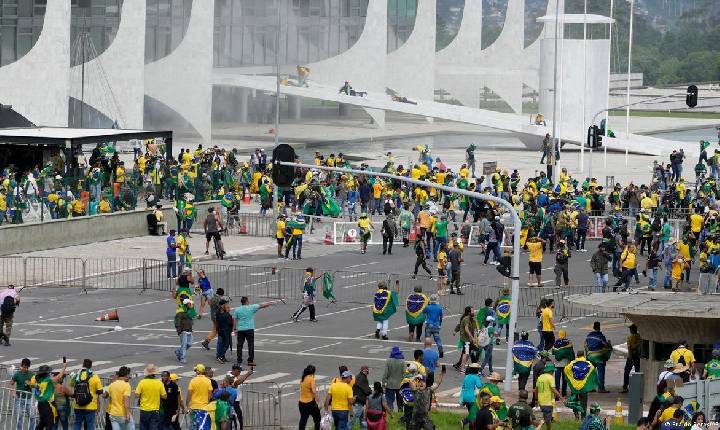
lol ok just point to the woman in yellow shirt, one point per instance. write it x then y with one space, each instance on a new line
365 227
280 234
307 403
441 266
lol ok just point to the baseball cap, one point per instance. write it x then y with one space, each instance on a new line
346 374
199 368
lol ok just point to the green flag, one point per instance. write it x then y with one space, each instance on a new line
328 287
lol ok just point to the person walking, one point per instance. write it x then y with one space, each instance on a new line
385 304
523 352
628 261
392 377
468 339
599 264
244 317
634 345
562 259
376 408
172 405
546 393
582 220
20 382
433 321
547 322
415 305
652 265
214 310
455 260
365 227
430 359
420 257
184 328
388 231
199 394
9 301
118 405
206 291
563 352
598 350
308 401
308 295
338 400
361 391
86 387
171 253
224 324
493 242
150 392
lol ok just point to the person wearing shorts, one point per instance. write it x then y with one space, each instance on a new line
535 248
206 291
546 393
212 226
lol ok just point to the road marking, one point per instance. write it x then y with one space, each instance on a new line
363 264
362 338
17 361
168 368
323 315
115 368
270 377
296 381
361 284
79 366
547 281
321 347
99 311
54 362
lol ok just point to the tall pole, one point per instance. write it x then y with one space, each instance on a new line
276 192
515 293
82 78
553 141
585 96
607 103
629 67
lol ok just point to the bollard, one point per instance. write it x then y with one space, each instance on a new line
635 397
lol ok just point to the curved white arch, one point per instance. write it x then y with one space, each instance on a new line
188 67
416 57
37 84
464 47
120 64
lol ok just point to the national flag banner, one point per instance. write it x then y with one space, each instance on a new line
597 347
414 306
563 350
328 282
504 305
381 301
581 376
523 353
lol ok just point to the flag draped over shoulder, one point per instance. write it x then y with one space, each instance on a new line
503 310
328 287
581 376
597 347
414 306
523 354
563 350
384 304
690 409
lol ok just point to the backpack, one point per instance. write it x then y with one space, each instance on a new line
83 396
418 248
8 306
483 338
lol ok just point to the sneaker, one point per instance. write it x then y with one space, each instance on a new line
314 320
377 334
206 344
385 337
220 360
623 391
251 363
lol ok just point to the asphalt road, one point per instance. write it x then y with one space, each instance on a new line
51 323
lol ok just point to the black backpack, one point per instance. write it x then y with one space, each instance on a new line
83 396
8 306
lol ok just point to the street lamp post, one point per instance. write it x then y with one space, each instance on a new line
515 273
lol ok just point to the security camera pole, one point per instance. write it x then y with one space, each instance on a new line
516 241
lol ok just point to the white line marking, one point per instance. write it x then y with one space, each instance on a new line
270 377
323 315
363 264
99 311
362 338
79 366
321 347
296 381
168 368
132 366
360 284
54 362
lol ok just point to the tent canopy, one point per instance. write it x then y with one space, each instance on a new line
64 136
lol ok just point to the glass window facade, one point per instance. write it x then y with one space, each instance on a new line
21 22
401 22
99 19
166 24
246 31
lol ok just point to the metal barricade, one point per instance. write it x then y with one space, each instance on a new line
107 273
12 271
54 272
256 224
260 405
17 414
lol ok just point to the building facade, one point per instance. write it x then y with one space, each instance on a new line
161 63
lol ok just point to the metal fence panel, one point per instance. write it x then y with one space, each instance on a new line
12 271
107 273
16 414
54 272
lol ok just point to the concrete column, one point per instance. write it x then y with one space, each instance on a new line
243 94
294 107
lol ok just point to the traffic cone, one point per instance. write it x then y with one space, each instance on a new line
246 196
243 227
109 316
413 234
328 238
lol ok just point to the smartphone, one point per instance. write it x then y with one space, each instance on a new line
443 368
64 359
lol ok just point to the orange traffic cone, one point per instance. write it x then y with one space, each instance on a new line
246 196
413 234
328 238
109 316
243 228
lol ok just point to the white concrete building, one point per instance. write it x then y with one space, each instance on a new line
207 62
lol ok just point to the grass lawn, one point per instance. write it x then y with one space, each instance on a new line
666 114
451 420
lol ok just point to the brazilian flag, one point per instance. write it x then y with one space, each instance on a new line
563 350
690 409
523 352
385 304
503 310
406 391
414 306
227 200
328 287
597 348
493 390
581 376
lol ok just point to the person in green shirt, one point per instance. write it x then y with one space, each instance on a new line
21 382
712 367
439 229
406 220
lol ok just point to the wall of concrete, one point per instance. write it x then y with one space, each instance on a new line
21 238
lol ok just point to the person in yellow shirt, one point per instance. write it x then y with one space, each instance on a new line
280 234
415 173
339 399
149 392
442 267
535 258
376 201
86 386
3 206
118 394
199 392
547 324
120 173
628 260
365 227
683 355
104 206
678 266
